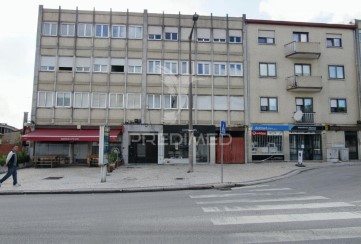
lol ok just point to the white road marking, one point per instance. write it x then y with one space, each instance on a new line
277 207
283 218
297 235
240 194
306 198
272 189
247 187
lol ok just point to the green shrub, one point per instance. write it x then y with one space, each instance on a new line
2 160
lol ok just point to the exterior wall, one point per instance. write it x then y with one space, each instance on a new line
276 87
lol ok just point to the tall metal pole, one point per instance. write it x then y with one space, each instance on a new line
190 99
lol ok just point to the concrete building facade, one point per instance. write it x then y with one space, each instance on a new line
131 71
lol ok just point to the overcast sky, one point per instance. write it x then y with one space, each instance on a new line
18 22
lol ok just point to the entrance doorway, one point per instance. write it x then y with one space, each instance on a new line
309 144
351 144
143 149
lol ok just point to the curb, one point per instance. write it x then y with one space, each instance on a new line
220 186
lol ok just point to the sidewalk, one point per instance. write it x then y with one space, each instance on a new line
144 177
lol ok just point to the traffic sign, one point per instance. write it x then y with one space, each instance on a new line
222 130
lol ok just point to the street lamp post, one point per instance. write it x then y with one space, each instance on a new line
190 99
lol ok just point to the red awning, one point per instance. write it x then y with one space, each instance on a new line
67 135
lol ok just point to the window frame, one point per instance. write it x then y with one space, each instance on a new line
84 28
48 99
137 30
170 103
117 100
68 29
151 101
173 64
134 97
235 39
337 108
102 98
268 70
155 68
104 30
300 36
203 64
302 66
119 32
171 36
51 31
232 71
103 68
267 107
336 67
218 69
332 41
82 102
62 96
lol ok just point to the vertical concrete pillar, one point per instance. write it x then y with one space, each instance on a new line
212 150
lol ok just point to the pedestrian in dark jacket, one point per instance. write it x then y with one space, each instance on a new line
12 163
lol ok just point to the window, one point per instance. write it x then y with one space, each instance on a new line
203 40
47 68
154 67
235 39
134 66
119 31
133 100
82 69
236 103
302 70
338 106
170 102
45 99
63 99
50 29
85 30
117 68
99 100
219 35
100 68
300 36
82 64
170 67
203 68
334 40
134 69
67 29
154 37
101 30
65 63
204 102
184 67
266 37
135 32
220 103
220 69
304 104
171 36
267 70
117 65
81 100
269 104
153 101
183 101
116 100
236 69
336 72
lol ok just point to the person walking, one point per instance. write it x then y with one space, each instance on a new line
12 163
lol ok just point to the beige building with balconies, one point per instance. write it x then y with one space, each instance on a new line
303 90
131 71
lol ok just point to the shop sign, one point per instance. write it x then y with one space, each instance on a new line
259 133
274 133
266 127
307 128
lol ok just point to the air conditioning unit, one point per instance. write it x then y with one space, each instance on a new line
137 121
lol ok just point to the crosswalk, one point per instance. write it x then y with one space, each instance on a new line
257 212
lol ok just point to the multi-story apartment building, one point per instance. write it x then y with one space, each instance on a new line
303 90
131 71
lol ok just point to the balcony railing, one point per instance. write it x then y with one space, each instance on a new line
307 118
304 83
310 50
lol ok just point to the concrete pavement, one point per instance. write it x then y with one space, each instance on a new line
150 177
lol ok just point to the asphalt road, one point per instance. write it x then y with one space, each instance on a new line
318 206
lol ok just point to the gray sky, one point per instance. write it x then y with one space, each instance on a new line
18 32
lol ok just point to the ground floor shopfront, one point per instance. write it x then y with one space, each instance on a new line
284 141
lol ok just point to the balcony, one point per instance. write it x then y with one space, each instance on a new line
308 50
304 83
306 118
